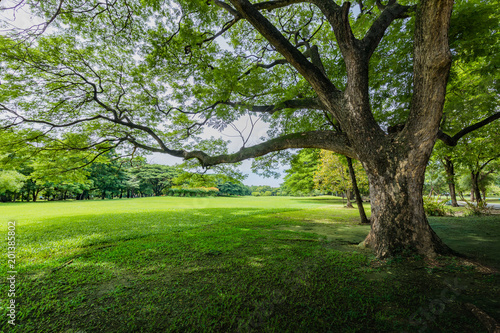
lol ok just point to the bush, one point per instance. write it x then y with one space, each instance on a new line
480 209
434 207
193 192
256 194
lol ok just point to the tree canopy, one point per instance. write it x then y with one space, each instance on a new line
155 74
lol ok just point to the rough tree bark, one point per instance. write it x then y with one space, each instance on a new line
396 181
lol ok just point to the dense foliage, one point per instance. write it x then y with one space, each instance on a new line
114 177
332 174
299 179
436 207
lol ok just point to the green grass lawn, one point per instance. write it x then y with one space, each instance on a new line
243 264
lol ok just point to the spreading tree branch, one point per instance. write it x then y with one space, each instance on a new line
309 71
453 140
328 140
304 103
270 5
381 6
389 13
338 16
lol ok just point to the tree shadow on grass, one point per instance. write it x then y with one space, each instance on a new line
478 237
320 200
209 270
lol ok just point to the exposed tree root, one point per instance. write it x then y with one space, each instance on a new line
490 323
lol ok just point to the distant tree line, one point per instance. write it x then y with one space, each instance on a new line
110 178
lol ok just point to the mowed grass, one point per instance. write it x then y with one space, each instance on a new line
245 264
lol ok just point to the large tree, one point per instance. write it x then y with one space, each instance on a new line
157 177
154 74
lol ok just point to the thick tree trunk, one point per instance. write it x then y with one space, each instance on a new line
399 224
396 168
355 188
395 163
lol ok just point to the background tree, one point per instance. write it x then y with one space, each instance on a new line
150 74
108 178
332 175
157 177
480 156
11 183
355 188
233 188
447 158
299 178
435 178
55 166
473 88
226 185
265 190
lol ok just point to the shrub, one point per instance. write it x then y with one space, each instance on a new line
434 207
479 209
193 192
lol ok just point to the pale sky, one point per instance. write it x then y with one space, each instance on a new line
260 130
252 179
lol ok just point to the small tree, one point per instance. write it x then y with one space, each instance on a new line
11 183
333 175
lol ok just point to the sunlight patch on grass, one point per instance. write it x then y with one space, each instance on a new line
225 264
